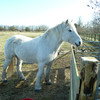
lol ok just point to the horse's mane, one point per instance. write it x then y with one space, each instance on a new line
55 30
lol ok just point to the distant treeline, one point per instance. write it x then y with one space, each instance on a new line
23 28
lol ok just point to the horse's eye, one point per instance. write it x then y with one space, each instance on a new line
70 30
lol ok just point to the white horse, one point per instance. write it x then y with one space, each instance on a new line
42 50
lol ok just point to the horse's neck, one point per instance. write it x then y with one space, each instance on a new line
54 39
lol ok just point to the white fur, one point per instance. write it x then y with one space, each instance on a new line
42 50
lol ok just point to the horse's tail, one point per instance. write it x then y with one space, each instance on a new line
10 69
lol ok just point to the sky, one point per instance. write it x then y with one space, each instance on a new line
43 12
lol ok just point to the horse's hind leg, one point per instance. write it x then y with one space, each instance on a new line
48 73
5 67
19 70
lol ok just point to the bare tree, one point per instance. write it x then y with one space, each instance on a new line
95 5
79 25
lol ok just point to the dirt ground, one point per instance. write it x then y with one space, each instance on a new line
58 90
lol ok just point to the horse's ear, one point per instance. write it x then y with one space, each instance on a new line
67 21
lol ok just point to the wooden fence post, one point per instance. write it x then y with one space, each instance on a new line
88 76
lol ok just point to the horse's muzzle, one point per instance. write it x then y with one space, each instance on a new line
78 44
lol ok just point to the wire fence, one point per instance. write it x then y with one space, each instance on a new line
89 48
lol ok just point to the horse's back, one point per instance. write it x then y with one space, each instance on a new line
19 39
13 42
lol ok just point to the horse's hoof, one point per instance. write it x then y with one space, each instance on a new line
48 82
4 81
38 90
22 79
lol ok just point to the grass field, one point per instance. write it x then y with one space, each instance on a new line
17 90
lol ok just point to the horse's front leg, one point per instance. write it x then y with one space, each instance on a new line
48 82
19 70
38 78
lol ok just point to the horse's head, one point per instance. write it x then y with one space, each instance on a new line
70 34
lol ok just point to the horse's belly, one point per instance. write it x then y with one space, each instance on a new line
27 55
27 58
30 61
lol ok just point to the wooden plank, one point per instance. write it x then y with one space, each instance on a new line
74 78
